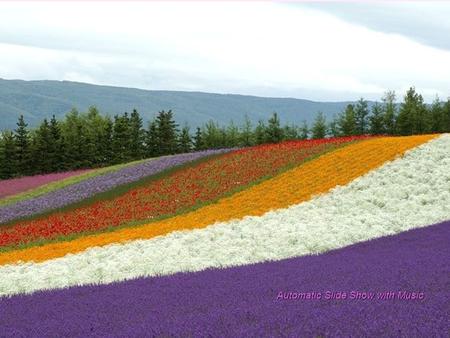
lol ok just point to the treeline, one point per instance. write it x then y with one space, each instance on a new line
87 140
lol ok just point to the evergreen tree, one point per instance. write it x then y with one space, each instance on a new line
290 132
361 117
73 138
105 143
151 140
167 132
274 133
185 141
121 139
319 129
232 135
346 123
212 135
7 155
304 131
22 148
412 118
44 153
446 116
56 151
137 134
247 137
376 120
260 132
390 112
333 127
198 140
437 117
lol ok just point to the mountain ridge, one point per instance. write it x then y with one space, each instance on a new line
40 99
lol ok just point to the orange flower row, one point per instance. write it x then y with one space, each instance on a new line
292 187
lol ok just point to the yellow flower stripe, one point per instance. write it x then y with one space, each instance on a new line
292 187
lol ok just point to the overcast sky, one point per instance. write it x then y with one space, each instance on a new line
320 51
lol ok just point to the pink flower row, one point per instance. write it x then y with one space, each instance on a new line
18 185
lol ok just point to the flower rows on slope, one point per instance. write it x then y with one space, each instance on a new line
90 187
18 185
181 190
292 187
345 216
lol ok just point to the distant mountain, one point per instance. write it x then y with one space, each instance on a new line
39 99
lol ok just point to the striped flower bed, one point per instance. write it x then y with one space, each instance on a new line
18 185
183 189
358 218
62 183
261 300
95 185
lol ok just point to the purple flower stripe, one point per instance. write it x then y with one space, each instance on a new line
98 184
17 185
249 301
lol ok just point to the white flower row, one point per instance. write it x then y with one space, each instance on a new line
409 192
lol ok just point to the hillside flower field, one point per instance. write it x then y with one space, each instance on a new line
231 242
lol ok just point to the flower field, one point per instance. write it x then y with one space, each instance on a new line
19 185
229 243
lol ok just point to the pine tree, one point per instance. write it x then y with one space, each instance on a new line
304 131
346 122
7 155
44 155
232 135
260 132
105 143
198 140
376 120
319 129
22 148
412 118
290 132
437 117
73 137
361 117
137 134
167 132
121 139
446 116
390 113
151 140
56 147
274 133
246 136
185 141
333 127
212 135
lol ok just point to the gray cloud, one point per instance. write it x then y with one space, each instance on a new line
426 22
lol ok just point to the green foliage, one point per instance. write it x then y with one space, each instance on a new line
361 117
412 118
304 131
390 112
346 123
376 120
7 155
319 129
90 139
274 133
22 147
185 141
167 133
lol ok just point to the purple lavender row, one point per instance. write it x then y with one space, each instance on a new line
262 300
98 184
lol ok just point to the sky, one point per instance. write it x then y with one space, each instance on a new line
319 51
